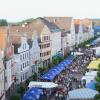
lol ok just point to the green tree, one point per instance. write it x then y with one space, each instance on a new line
34 76
97 86
99 67
21 90
42 70
15 97
98 74
50 65
97 97
60 59
3 22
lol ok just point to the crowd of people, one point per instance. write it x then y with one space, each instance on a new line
70 77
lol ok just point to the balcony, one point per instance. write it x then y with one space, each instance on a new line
45 49
46 57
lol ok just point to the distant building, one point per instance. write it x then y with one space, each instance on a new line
43 34
8 50
21 57
66 26
78 31
35 61
88 30
83 30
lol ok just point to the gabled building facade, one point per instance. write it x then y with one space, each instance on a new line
21 57
35 61
78 31
66 26
87 29
8 51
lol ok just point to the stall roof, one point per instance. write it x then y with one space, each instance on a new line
88 78
78 53
32 94
83 93
91 73
94 64
50 75
91 85
42 84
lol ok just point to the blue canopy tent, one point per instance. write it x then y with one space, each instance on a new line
93 43
32 94
29 97
50 75
97 29
91 85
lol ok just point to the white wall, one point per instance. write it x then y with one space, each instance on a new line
34 54
63 44
22 66
72 30
8 74
55 43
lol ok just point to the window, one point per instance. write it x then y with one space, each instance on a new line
48 45
44 38
40 54
40 46
23 56
27 54
21 67
27 63
20 57
26 75
21 78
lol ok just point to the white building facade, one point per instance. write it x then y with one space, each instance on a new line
34 53
21 59
55 42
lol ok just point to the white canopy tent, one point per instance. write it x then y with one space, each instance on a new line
82 94
97 50
91 73
77 53
42 84
88 78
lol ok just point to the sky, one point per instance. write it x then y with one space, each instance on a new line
17 10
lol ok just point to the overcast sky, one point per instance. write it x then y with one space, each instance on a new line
17 10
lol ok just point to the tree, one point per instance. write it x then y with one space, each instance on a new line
97 97
55 61
3 22
15 97
59 59
97 86
50 65
42 70
21 90
98 74
99 67
34 76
